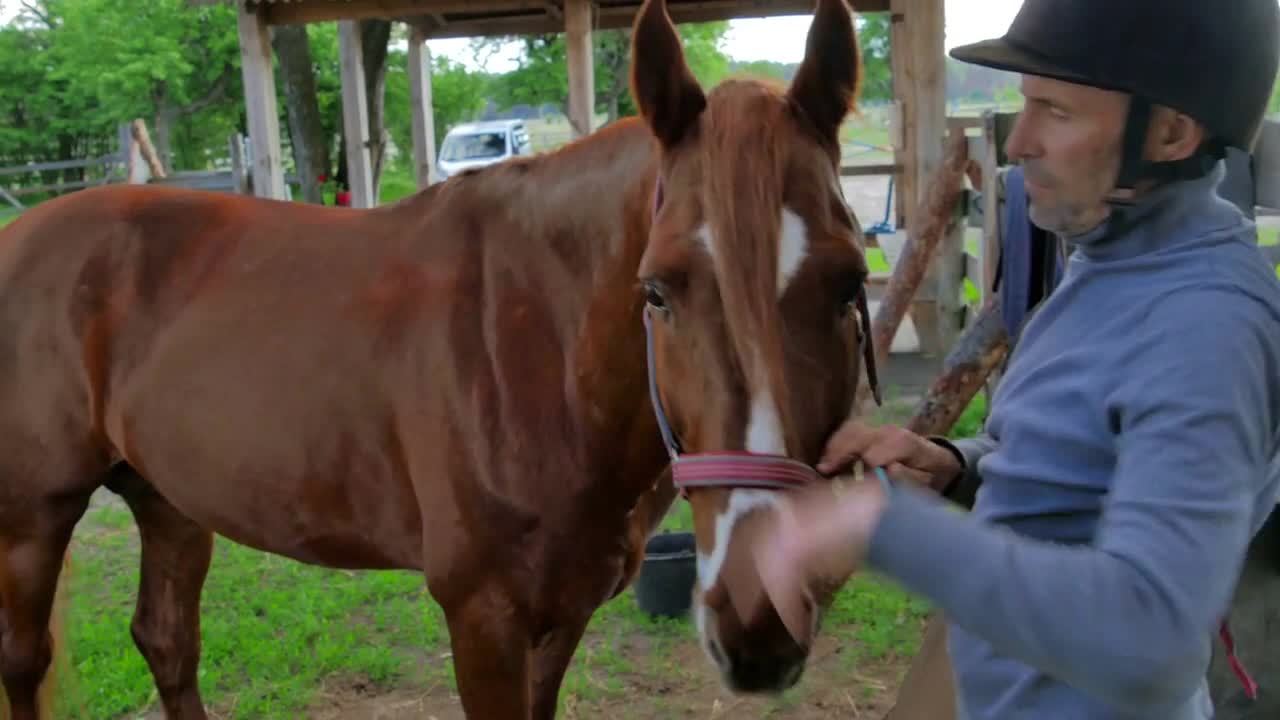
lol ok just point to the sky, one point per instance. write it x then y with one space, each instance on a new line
780 38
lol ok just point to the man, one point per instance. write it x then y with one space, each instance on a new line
1132 447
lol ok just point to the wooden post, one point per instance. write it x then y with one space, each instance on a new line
918 63
424 129
936 212
260 104
991 214
239 180
135 172
582 84
355 114
142 140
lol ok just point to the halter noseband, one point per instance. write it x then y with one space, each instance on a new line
741 469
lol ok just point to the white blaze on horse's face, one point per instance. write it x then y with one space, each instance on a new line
764 435
793 246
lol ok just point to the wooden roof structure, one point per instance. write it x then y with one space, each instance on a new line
478 18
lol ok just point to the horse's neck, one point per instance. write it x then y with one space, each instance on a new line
558 240
588 231
569 226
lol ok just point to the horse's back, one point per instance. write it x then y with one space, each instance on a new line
237 352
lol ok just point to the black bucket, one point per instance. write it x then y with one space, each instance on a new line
664 586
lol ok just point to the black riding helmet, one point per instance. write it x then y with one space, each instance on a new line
1213 60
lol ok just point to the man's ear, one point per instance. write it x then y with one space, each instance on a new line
1173 136
665 91
826 86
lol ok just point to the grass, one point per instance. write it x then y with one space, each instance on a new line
279 634
276 633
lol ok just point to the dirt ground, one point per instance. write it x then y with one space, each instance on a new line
830 688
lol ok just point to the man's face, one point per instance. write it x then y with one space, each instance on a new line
1068 140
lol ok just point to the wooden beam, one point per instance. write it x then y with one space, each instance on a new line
261 110
865 170
610 17
428 25
355 114
582 86
289 13
420 107
540 14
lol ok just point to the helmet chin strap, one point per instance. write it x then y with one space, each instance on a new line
1134 168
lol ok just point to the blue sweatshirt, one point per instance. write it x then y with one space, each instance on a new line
1131 454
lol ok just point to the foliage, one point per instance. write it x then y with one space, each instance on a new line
70 72
877 73
543 77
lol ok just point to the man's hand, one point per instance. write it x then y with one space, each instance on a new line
904 455
816 538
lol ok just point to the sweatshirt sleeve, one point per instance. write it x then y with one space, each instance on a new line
969 451
1130 618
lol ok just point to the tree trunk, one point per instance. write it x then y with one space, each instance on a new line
374 36
306 127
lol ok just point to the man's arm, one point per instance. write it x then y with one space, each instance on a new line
1128 619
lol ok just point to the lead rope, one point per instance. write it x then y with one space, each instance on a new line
1250 685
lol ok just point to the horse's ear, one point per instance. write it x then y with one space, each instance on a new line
826 85
665 91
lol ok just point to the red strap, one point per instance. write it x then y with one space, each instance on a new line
1250 686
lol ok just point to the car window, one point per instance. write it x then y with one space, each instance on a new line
521 142
476 146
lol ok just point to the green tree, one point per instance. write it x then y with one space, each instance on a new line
543 76
877 73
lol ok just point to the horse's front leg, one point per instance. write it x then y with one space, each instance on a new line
551 658
491 646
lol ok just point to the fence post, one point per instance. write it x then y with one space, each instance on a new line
240 180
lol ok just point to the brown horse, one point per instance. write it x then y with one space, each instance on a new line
455 383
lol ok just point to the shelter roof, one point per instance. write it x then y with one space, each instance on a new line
466 18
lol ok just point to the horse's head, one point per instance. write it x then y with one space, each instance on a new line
756 309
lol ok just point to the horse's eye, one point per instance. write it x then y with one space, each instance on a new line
848 299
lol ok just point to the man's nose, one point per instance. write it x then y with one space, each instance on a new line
1020 143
